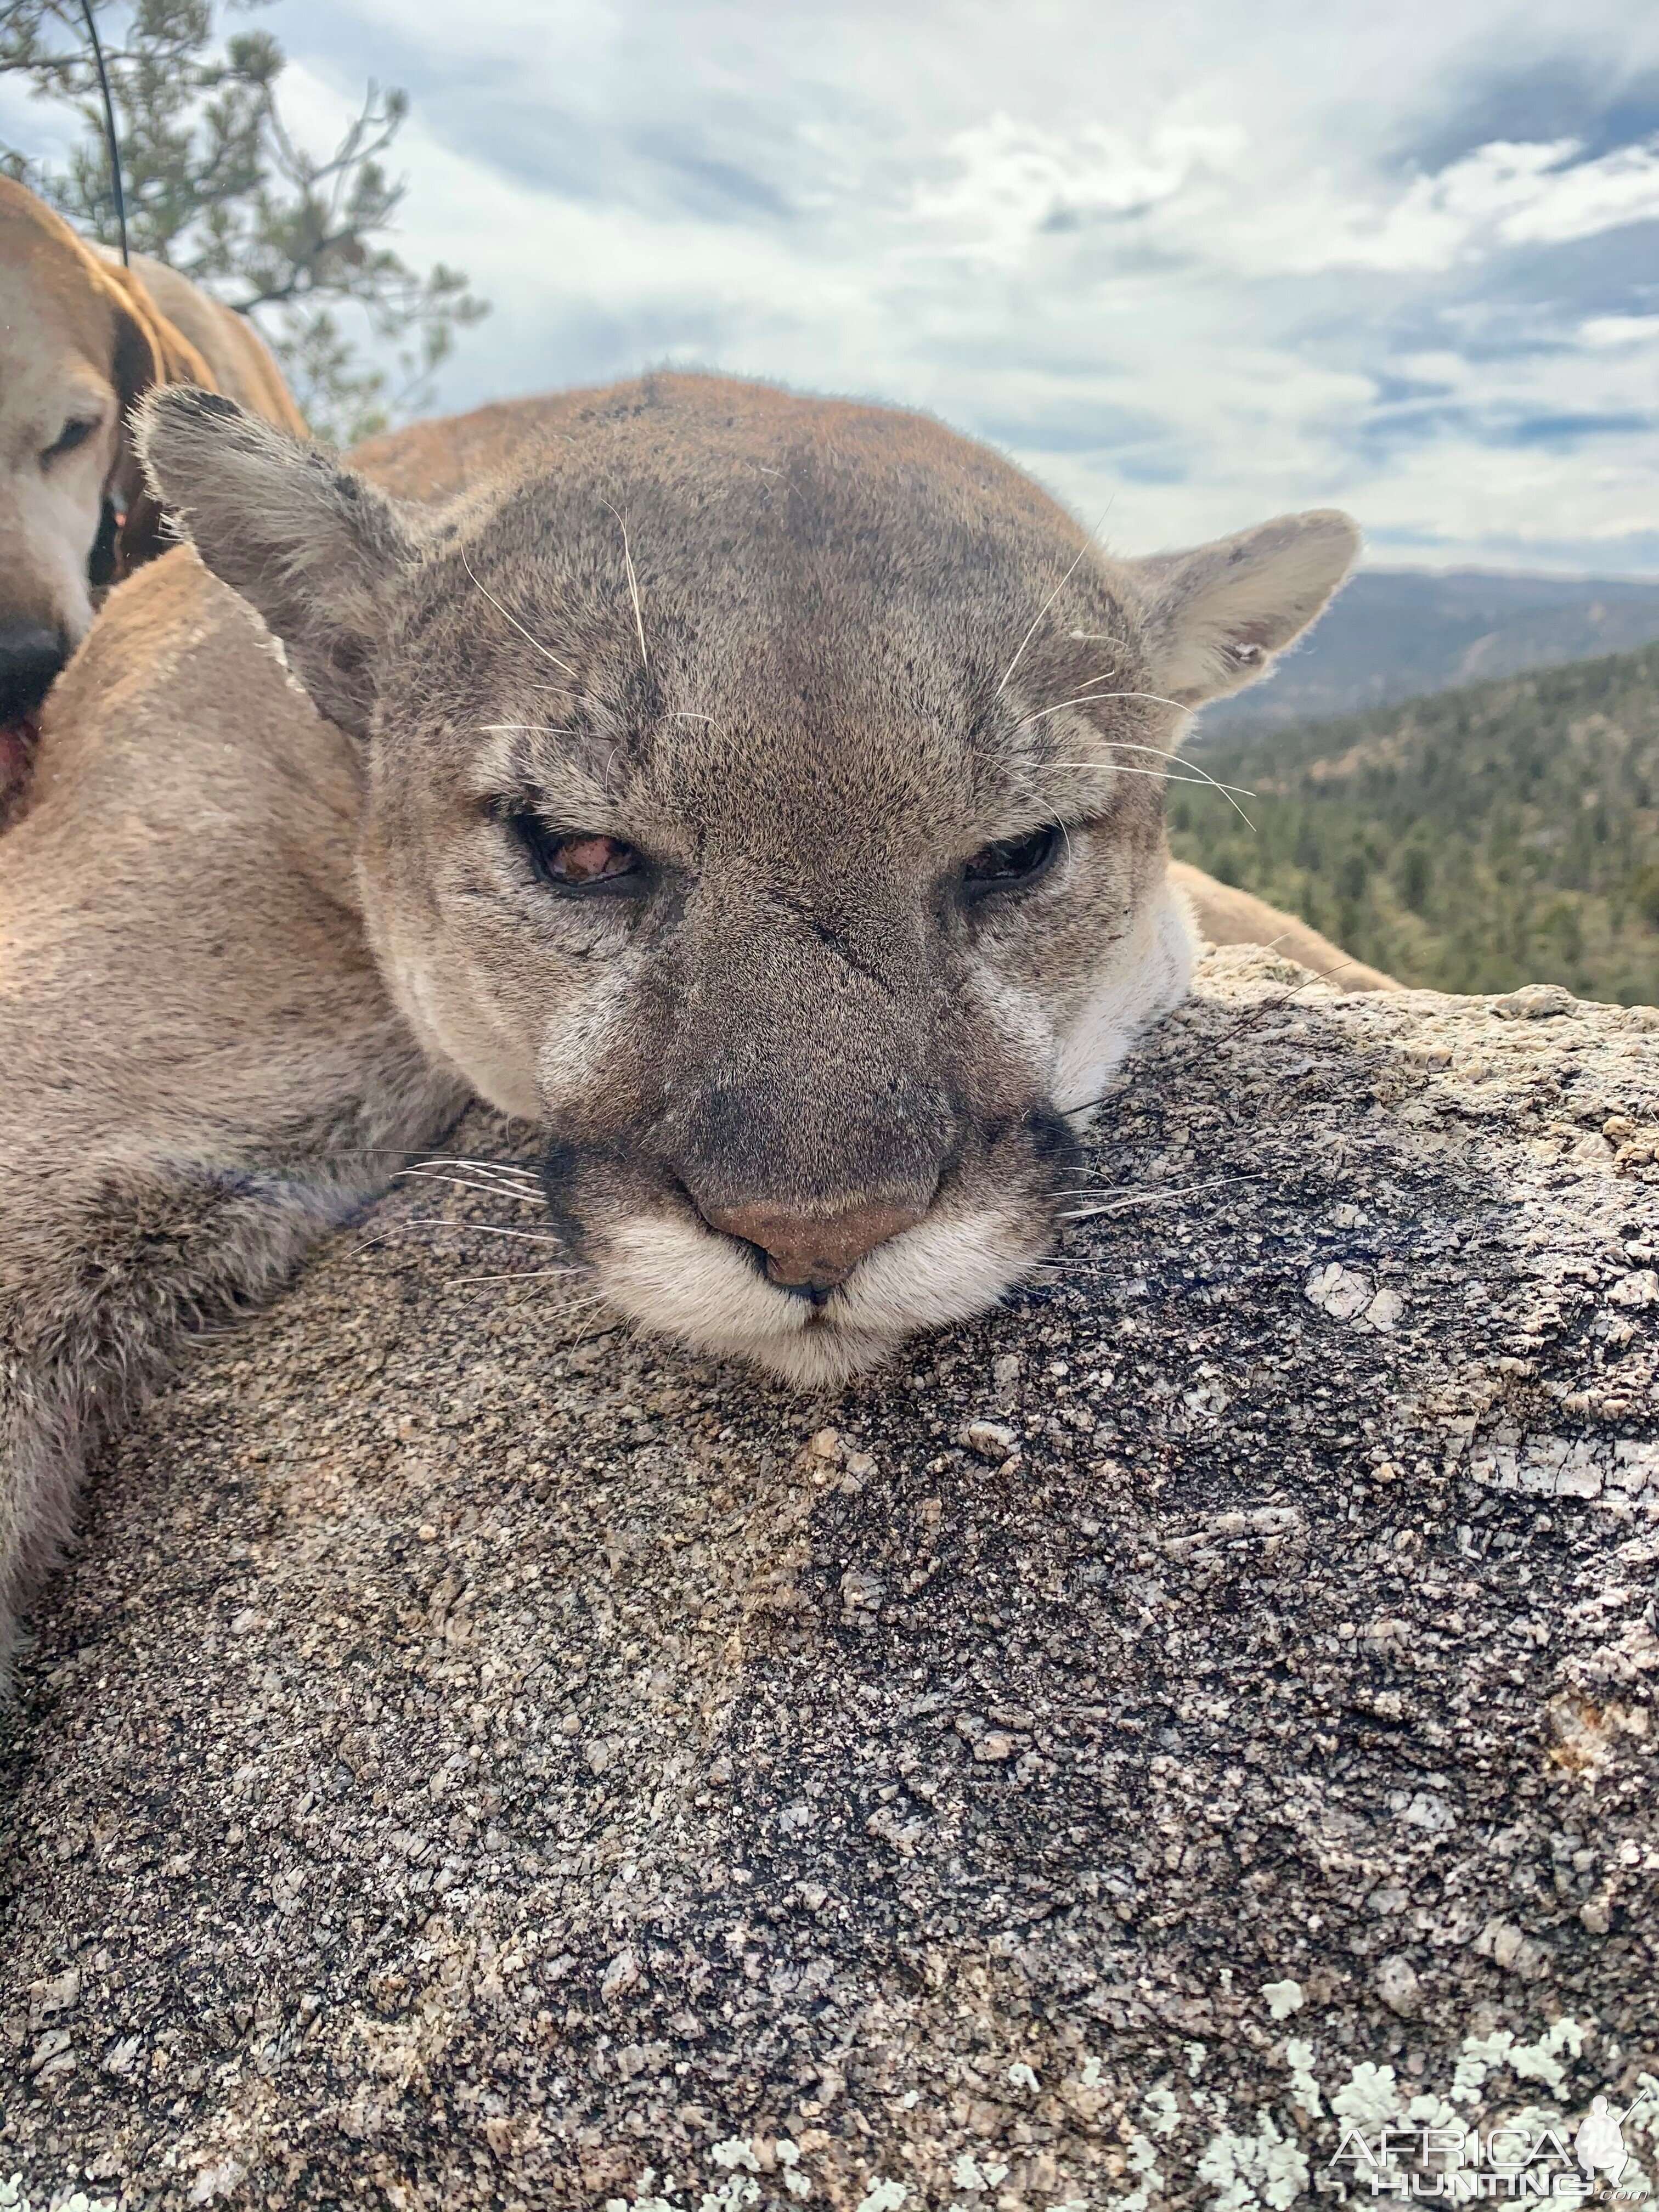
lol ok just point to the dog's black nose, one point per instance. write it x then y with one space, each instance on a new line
30 656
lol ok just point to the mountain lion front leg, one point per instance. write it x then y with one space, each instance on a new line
202 1072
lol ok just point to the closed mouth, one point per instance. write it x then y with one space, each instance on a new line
811 1305
660 1260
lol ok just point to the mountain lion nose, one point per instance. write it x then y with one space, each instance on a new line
808 1251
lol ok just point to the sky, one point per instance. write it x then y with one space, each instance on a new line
1191 263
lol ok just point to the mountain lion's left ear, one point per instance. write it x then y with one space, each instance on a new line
316 549
1217 616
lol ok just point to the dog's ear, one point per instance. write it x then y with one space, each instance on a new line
314 547
149 350
1217 616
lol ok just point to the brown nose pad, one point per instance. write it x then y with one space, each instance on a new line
808 1251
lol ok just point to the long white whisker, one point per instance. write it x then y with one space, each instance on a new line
433 1159
467 1160
1197 783
1037 624
1158 752
1187 762
476 1164
526 729
1121 768
1202 778
633 583
484 1229
1151 1198
1088 698
545 652
526 1196
479 1163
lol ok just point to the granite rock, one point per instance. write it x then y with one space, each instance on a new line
478 1759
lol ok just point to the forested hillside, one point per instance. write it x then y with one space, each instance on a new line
1506 833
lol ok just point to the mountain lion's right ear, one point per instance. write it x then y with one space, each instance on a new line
310 544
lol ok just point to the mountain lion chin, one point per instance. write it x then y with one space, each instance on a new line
704 1291
818 1356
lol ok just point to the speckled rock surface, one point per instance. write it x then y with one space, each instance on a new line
478 1760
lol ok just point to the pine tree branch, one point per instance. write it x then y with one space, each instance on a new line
218 185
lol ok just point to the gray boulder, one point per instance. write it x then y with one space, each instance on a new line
477 1758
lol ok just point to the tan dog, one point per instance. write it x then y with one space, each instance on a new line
81 339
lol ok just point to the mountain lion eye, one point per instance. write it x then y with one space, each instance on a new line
72 434
583 862
1010 861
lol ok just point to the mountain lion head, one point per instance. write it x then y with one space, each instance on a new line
764 797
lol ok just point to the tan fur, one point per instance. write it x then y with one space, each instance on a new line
201 1062
242 363
1225 915
794 650
81 339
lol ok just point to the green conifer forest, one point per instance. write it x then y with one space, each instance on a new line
1501 834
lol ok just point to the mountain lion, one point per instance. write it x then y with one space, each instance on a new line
761 794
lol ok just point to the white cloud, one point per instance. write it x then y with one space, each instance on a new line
1502 194
1016 180
1183 263
1605 331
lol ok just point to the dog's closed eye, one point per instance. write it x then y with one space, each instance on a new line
75 432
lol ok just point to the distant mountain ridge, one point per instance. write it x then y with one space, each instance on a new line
1398 633
1500 834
